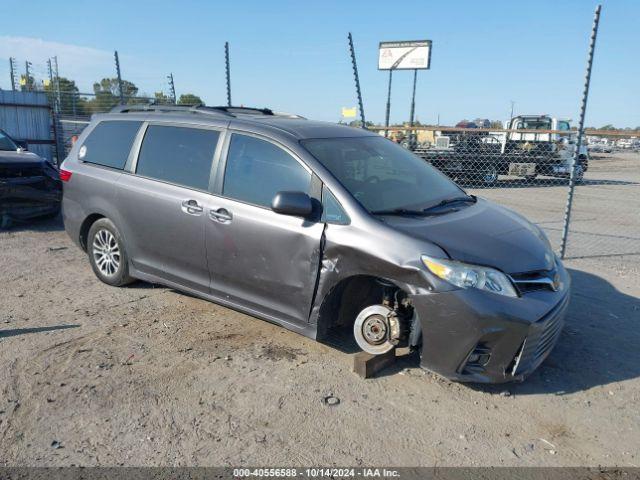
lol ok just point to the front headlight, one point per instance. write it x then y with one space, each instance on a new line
464 275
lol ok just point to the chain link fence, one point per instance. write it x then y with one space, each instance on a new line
526 167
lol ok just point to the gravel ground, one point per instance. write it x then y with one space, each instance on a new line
144 375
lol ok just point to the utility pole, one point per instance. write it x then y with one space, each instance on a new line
512 104
27 84
357 80
12 72
228 71
119 78
172 88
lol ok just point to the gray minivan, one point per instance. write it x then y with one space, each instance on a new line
321 228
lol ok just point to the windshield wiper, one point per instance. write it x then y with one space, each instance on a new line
402 212
449 201
407 212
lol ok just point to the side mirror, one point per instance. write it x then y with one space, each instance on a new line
22 145
297 204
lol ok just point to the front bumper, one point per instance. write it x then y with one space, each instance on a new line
23 198
510 337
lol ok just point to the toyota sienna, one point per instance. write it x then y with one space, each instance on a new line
319 228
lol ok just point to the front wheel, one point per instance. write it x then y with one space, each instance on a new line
107 253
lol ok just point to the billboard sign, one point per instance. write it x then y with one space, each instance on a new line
349 112
404 55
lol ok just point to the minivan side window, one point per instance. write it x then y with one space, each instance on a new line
256 170
179 155
109 143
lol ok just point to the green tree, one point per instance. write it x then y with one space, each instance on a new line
111 86
70 101
358 123
190 99
162 99
107 95
607 127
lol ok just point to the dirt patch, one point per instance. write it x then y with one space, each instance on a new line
148 376
275 353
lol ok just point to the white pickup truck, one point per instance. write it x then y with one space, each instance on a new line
560 146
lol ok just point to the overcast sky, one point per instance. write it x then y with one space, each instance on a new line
293 56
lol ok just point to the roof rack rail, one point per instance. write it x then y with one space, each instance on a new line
153 107
229 111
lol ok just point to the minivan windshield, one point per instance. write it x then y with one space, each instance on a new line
382 175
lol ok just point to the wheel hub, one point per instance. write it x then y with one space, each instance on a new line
374 329
106 252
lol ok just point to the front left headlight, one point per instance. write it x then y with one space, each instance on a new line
465 275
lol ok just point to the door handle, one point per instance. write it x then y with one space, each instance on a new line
221 215
192 207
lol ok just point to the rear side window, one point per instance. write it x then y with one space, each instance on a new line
109 144
179 155
256 170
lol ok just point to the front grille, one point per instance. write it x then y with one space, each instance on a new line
542 337
21 172
535 281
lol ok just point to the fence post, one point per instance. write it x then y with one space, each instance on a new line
172 88
576 154
57 84
412 133
12 72
355 75
119 78
386 117
228 72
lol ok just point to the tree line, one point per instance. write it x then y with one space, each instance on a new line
105 96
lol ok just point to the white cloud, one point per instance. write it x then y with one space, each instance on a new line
82 64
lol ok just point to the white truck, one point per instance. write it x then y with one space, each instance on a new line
518 150
559 147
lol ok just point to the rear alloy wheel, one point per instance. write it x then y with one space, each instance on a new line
107 254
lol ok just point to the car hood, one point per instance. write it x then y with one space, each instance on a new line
484 234
11 158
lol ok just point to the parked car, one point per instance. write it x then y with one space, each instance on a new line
320 228
30 186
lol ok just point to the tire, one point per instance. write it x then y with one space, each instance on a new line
489 175
579 173
530 178
107 253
